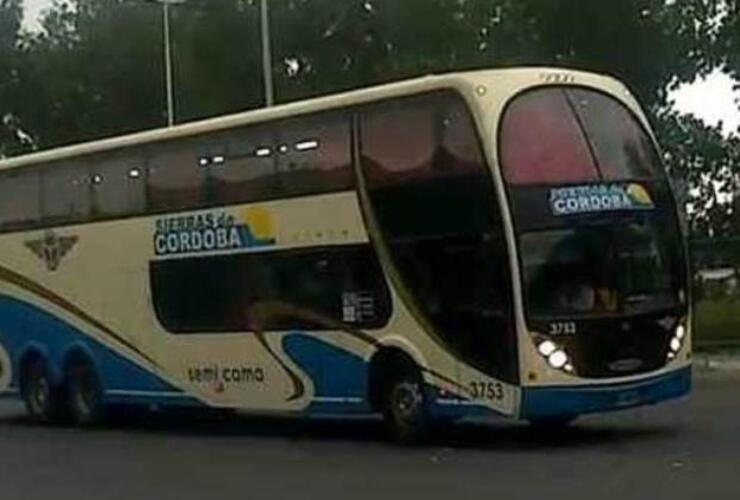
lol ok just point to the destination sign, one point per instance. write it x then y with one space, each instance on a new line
594 198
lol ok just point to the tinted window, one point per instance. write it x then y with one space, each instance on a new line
316 289
19 199
66 192
118 185
628 267
622 148
542 143
175 179
240 166
567 136
298 157
433 198
314 155
426 145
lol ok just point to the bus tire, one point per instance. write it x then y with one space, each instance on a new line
405 408
43 400
84 392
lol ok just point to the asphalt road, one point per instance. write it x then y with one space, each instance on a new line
689 449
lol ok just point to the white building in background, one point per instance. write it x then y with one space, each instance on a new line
724 280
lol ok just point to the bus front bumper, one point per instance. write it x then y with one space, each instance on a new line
542 403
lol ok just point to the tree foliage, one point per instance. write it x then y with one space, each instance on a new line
647 43
704 163
10 21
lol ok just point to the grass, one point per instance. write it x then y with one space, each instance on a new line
717 321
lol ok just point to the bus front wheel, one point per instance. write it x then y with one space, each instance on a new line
84 394
44 401
405 408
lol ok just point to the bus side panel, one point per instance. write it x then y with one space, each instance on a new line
340 377
29 329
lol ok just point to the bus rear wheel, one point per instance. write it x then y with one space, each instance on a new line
44 401
405 408
84 393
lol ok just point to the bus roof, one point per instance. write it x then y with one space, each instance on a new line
460 80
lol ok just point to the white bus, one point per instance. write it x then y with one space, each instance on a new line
493 243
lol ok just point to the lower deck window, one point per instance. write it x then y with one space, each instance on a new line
315 289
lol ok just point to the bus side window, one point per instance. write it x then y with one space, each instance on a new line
118 185
174 179
314 155
65 192
19 199
240 166
305 289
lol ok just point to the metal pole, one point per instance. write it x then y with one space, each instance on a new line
266 54
168 64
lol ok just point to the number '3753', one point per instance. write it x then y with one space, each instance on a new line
493 391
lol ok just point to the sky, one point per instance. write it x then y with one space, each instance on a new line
32 10
712 99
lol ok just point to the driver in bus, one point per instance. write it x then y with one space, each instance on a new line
589 291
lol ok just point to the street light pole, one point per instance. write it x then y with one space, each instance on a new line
168 64
167 42
266 54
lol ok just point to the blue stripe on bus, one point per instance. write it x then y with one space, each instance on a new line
339 377
340 381
24 326
553 402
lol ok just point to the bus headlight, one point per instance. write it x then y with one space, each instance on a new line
558 359
547 348
680 332
555 355
677 342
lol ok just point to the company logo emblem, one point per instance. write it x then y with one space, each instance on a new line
600 198
52 248
626 365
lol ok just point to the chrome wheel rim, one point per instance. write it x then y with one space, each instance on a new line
407 401
39 395
84 393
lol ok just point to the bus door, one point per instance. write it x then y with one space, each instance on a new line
430 202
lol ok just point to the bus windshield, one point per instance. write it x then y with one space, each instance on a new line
610 269
592 208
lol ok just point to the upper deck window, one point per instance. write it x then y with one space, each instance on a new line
622 148
566 136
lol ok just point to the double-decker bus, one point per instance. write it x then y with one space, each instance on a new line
493 243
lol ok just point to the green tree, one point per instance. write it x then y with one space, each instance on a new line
93 71
11 12
97 68
337 45
705 164
217 57
727 48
